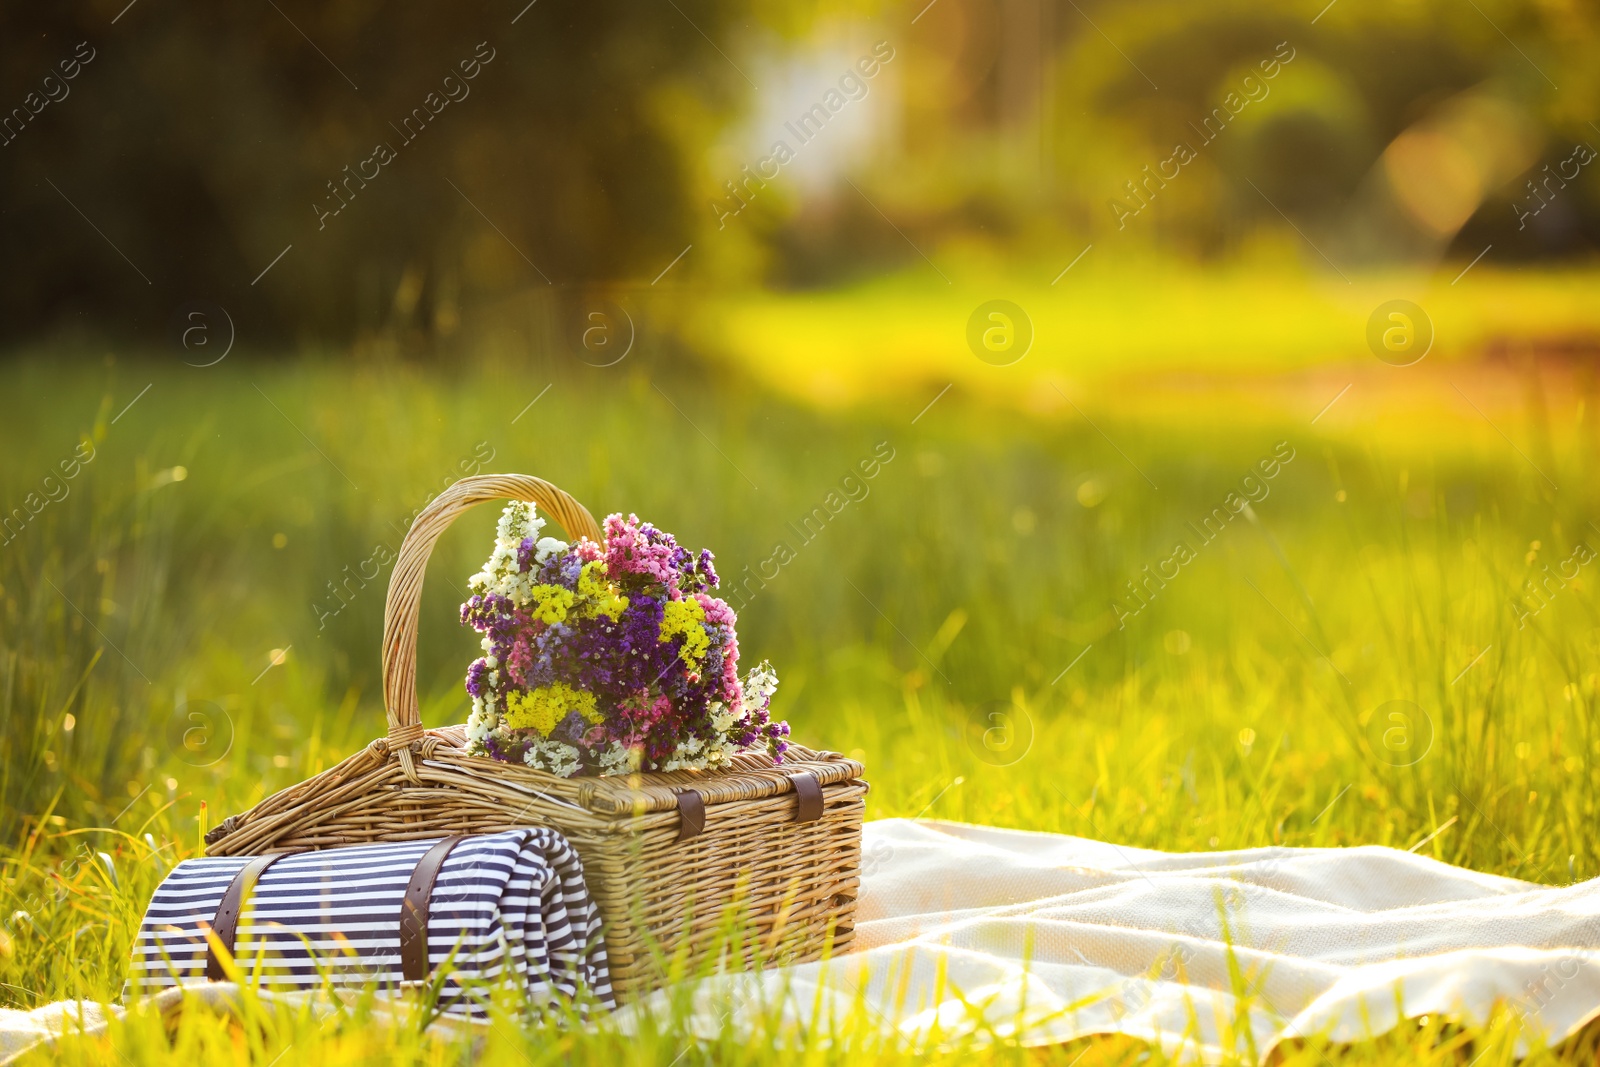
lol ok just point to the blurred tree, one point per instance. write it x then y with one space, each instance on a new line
1391 132
187 152
1393 128
408 153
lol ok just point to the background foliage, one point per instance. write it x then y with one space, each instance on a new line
598 143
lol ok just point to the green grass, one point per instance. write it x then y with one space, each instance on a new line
1236 709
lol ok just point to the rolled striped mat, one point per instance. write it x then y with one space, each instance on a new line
506 907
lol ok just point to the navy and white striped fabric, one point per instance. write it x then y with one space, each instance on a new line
510 906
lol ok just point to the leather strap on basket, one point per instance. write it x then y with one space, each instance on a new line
414 963
405 587
691 814
692 806
808 793
225 923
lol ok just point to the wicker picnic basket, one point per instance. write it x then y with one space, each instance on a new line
670 858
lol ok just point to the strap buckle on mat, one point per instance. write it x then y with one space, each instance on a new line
225 923
414 962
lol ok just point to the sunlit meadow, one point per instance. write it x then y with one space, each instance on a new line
195 623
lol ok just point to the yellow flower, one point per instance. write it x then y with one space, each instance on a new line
686 618
600 596
541 709
551 603
612 606
591 579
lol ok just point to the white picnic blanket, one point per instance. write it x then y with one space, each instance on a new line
971 931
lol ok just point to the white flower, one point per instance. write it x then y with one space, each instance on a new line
547 547
685 757
760 684
618 759
562 759
501 571
482 722
722 717
500 574
517 521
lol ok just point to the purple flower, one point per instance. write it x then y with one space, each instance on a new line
475 677
650 698
708 573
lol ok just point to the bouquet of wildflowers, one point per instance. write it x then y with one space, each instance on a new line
609 658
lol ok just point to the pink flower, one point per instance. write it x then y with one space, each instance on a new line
718 613
520 657
633 547
732 690
644 713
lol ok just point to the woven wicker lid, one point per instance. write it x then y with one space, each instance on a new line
751 776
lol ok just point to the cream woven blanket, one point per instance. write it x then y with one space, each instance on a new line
971 931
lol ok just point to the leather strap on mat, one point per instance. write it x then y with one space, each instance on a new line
808 792
414 964
691 815
225 923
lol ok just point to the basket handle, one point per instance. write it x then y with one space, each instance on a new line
405 583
